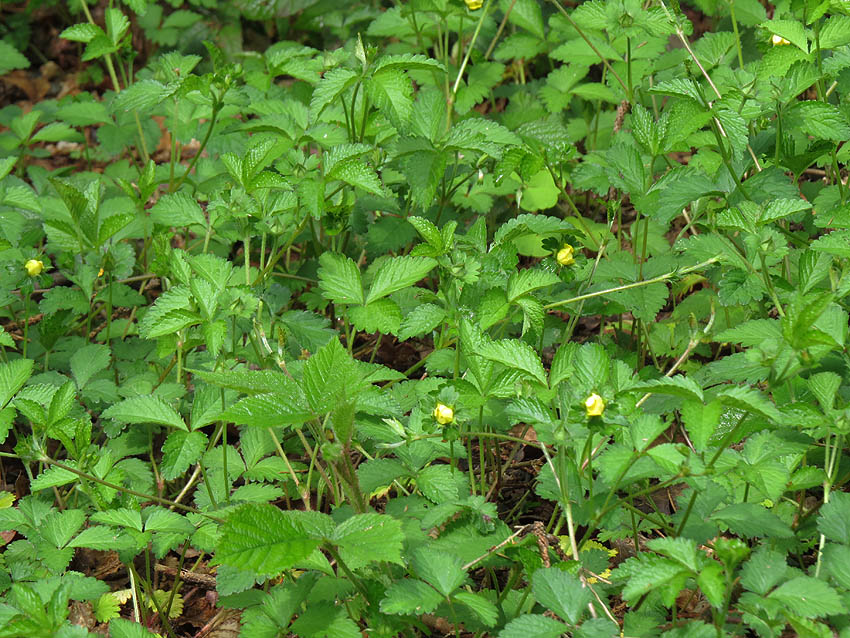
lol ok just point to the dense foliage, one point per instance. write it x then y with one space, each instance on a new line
506 318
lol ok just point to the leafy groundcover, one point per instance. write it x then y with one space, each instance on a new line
471 318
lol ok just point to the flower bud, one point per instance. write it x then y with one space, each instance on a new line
34 267
594 405
778 40
565 256
444 414
474 4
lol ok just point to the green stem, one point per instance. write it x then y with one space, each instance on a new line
216 109
499 30
26 325
636 284
469 49
737 35
127 490
593 48
349 574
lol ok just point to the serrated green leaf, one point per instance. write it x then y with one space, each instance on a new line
250 381
102 538
333 84
808 597
177 209
561 592
484 610
10 59
428 231
57 132
270 410
13 375
437 483
179 451
392 92
53 477
359 174
791 30
61 404
647 573
106 608
751 400
423 170
535 625
712 583
410 597
263 539
119 517
141 95
779 208
836 559
422 319
397 273
701 421
382 315
515 354
83 32
834 32
677 386
407 62
145 409
765 568
369 538
442 570
529 279
834 518
121 628
751 333
590 366
7 164
526 14
170 309
330 375
752 520
821 120
683 550
117 24
88 361
339 279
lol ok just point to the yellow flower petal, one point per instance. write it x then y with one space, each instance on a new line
565 256
594 405
474 4
444 414
34 267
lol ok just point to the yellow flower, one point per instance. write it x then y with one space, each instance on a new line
592 544
778 40
474 4
565 256
594 405
34 267
606 574
444 414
